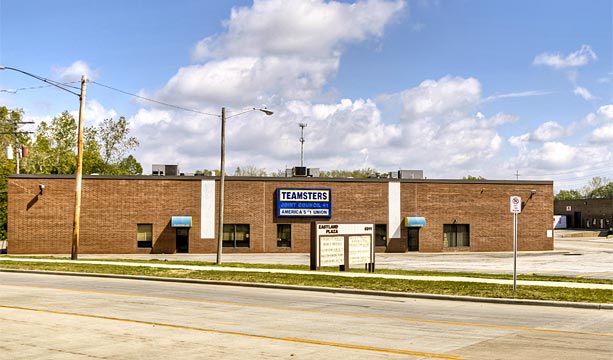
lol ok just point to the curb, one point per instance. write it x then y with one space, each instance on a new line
578 305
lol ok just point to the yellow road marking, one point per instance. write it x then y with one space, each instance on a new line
363 315
264 337
592 274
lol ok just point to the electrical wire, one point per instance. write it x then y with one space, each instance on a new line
14 91
154 101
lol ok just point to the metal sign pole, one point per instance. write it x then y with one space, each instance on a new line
514 251
515 202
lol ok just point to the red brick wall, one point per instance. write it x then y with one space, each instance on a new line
112 207
110 212
485 208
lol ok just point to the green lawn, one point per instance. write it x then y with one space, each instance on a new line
396 285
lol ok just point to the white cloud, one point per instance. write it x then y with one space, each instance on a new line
578 58
434 97
276 51
314 28
74 71
606 111
95 113
584 93
521 94
602 134
548 131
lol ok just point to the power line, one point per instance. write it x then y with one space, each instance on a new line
14 91
154 101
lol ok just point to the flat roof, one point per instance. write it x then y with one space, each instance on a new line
270 178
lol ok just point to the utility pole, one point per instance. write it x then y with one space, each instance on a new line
77 207
16 133
222 176
302 126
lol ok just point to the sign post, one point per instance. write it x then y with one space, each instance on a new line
515 203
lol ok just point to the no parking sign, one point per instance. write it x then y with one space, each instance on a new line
515 204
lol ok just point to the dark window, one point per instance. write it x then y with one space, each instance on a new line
284 235
381 235
144 235
235 236
456 235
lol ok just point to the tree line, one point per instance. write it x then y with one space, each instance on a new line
597 188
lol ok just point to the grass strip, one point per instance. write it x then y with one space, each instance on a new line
409 286
530 277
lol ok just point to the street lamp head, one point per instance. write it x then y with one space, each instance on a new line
2 67
265 111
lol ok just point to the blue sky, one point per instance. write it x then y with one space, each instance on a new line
485 88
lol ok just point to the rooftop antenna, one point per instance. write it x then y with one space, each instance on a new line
302 126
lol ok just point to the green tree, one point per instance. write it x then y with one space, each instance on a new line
568 195
115 141
595 183
104 148
473 178
250 170
8 119
603 192
206 172
54 147
129 166
358 174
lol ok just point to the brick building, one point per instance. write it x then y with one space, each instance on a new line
152 214
586 213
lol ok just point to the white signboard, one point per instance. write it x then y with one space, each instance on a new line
359 249
515 204
331 250
333 240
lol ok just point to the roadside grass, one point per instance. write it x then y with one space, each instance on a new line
530 277
396 285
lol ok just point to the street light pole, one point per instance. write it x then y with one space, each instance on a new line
77 211
222 177
77 207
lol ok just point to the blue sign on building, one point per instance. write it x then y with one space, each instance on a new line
304 203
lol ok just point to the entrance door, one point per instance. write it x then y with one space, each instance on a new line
577 220
413 239
182 240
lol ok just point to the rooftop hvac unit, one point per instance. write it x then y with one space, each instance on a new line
410 174
393 175
300 171
313 172
158 170
164 170
171 170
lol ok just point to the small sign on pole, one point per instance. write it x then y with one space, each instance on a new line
515 202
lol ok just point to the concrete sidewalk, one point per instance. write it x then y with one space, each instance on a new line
344 274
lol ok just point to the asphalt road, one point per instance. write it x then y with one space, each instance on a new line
66 317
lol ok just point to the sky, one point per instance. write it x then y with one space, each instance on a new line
499 89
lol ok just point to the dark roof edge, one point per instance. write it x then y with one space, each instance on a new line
288 179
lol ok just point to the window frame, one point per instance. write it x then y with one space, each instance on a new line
284 242
381 241
148 242
230 232
450 235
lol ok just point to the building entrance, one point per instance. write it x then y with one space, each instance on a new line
413 239
182 240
